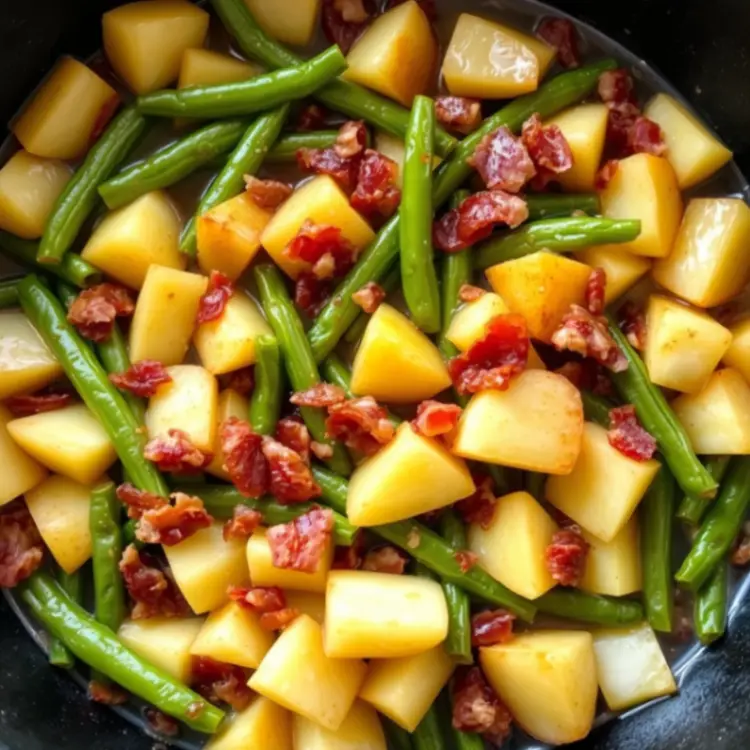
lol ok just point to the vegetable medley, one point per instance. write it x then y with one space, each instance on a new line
391 431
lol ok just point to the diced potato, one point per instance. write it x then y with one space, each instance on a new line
29 188
297 674
710 262
535 425
623 269
694 152
547 680
60 509
413 474
738 354
262 724
264 573
683 346
26 363
189 403
585 129
381 616
715 419
134 237
360 730
164 641
204 67
393 147
20 472
645 187
66 112
289 21
631 667
228 343
230 404
404 689
229 235
144 41
490 61
541 287
320 201
233 635
396 362
604 487
205 566
69 441
167 295
308 603
613 568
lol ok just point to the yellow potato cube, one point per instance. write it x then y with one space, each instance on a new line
289 21
413 474
297 674
683 346
710 262
262 724
694 152
604 487
547 680
623 269
144 41
20 472
189 403
613 568
60 509
167 296
738 354
404 689
230 404
541 287
69 441
396 362
360 730
489 61
134 237
512 548
382 616
233 635
535 425
645 187
228 343
204 67
204 566
320 201
308 603
715 418
631 667
66 112
164 641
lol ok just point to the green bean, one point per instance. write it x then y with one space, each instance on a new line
390 283
635 387
96 645
113 354
298 359
72 585
80 196
429 734
245 159
172 163
8 293
548 205
583 607
336 372
467 740
710 606
91 382
560 235
693 507
657 511
397 737
596 408
128 534
285 149
341 96
265 403
720 526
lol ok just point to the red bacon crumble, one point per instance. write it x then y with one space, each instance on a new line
212 303
385 559
596 287
172 524
106 694
345 20
476 707
615 86
632 323
502 161
369 297
160 723
361 424
220 682
587 375
320 395
646 137
565 556
25 406
458 113
243 457
741 554
318 244
321 451
290 479
340 161
561 34
138 501
142 378
94 310
627 436
480 506
377 195
312 117
351 557
278 619
176 453
469 293
445 232
259 599
21 547
267 194
606 173
292 433
242 524
242 380
466 560
547 148
491 627
435 418
310 293
301 543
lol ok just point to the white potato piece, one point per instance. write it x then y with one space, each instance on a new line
738 354
230 404
263 724
204 67
614 568
20 472
360 730
289 21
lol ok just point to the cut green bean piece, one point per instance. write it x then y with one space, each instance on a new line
8 293
72 585
429 734
398 738
285 149
549 205
711 603
335 371
693 507
265 403
391 281
467 740
113 354
583 607
596 408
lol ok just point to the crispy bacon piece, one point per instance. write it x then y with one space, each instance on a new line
369 297
300 544
321 395
565 556
458 113
268 194
466 560
138 501
476 707
741 554
279 619
317 244
94 310
25 406
587 375
172 524
290 478
293 433
376 195
351 139
596 286
626 434
646 137
106 694
445 232
616 86
212 303
502 161
242 380
561 34
312 117
340 161
547 148
435 418
243 457
242 524
480 506
385 559
142 378
632 323
469 293
258 598
491 627
220 682
176 453
361 424
606 173
345 20
21 547
311 293
161 724
351 557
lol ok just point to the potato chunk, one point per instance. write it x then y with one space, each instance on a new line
262 724
309 603
413 474
360 730
289 21
604 487
613 568
547 680
230 404
535 425
66 111
204 67
623 269
715 418
490 61
297 674
29 188
738 354
20 473
134 237
694 152
381 616
710 262
145 41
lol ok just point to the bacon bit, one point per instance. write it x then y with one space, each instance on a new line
161 724
106 694
595 288
459 113
565 556
176 453
345 20
300 544
547 148
369 297
290 478
491 627
310 293
212 303
469 293
268 194
606 173
615 86
741 555
321 451
646 137
476 707
340 161
413 538
172 524
25 406
466 560
312 117
243 457
435 418
502 161
142 378
278 620
561 34
587 375
385 559
242 380
479 507
242 524
94 310
627 436
259 599
361 424
351 557
152 589
292 433
314 242
138 501
632 322
21 547
377 195
445 232
320 395
351 140
220 682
